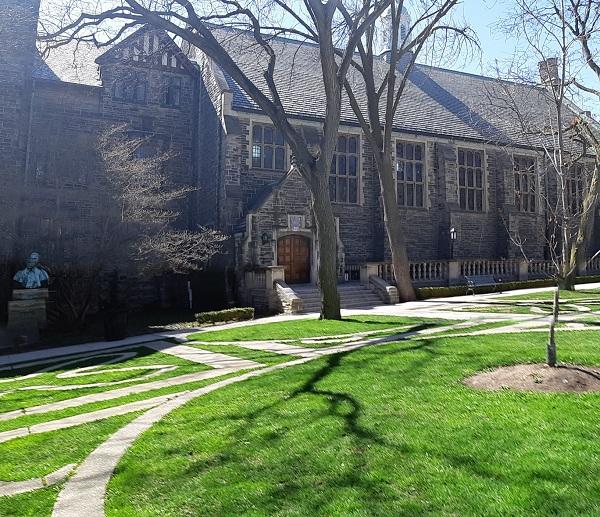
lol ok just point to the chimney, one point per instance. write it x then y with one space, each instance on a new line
549 71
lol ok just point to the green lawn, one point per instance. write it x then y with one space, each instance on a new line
260 356
582 294
522 308
477 327
387 430
305 328
12 398
30 504
37 455
28 420
497 308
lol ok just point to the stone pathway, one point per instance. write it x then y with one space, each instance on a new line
84 418
196 355
84 492
18 487
115 394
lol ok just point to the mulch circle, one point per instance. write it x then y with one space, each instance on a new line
538 377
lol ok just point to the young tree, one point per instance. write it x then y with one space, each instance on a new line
383 78
564 137
144 224
200 24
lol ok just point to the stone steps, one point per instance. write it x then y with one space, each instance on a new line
352 296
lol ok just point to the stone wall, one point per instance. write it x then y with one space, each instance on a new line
48 141
18 21
482 234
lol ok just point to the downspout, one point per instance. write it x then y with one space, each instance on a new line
193 216
29 134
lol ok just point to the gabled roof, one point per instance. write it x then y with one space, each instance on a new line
77 62
148 45
436 101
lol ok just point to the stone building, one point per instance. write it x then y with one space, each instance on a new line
461 163
52 111
463 166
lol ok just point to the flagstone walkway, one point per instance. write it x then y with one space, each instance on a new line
84 488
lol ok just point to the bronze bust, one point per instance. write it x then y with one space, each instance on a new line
33 276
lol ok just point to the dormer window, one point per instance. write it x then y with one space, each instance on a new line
173 92
131 88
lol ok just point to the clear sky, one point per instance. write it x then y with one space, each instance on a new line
483 16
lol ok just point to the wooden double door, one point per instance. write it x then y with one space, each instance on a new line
293 253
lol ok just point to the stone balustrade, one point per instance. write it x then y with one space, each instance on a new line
593 265
269 282
429 272
505 269
541 269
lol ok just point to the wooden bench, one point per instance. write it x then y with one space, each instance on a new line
481 281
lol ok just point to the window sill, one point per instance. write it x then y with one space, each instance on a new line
419 208
258 169
341 203
465 211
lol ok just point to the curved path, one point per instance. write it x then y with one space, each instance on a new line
84 493
19 487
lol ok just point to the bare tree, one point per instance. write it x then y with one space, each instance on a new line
199 24
565 138
143 221
136 228
383 78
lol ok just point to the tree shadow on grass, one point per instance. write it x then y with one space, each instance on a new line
305 482
341 405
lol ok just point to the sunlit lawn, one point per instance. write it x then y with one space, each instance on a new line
386 430
305 328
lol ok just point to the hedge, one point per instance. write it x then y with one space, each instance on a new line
423 293
236 314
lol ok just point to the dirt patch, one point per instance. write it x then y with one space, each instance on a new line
538 377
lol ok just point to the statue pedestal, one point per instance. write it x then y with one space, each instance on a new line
27 313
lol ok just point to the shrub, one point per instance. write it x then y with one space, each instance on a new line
236 314
423 293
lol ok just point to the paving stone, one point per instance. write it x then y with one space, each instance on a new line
118 393
84 418
8 488
84 492
197 355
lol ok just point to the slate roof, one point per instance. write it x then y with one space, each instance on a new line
436 101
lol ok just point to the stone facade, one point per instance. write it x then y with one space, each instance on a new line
49 128
53 191
257 205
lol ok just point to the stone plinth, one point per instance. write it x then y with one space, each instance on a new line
27 312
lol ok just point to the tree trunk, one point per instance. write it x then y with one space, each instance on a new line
551 348
327 239
567 282
395 232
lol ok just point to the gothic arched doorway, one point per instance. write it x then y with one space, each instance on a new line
293 253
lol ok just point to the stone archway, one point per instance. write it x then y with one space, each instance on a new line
293 253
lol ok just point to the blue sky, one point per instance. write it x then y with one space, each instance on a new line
483 15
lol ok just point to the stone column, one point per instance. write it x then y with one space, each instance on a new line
367 271
582 266
272 274
27 314
453 272
523 270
